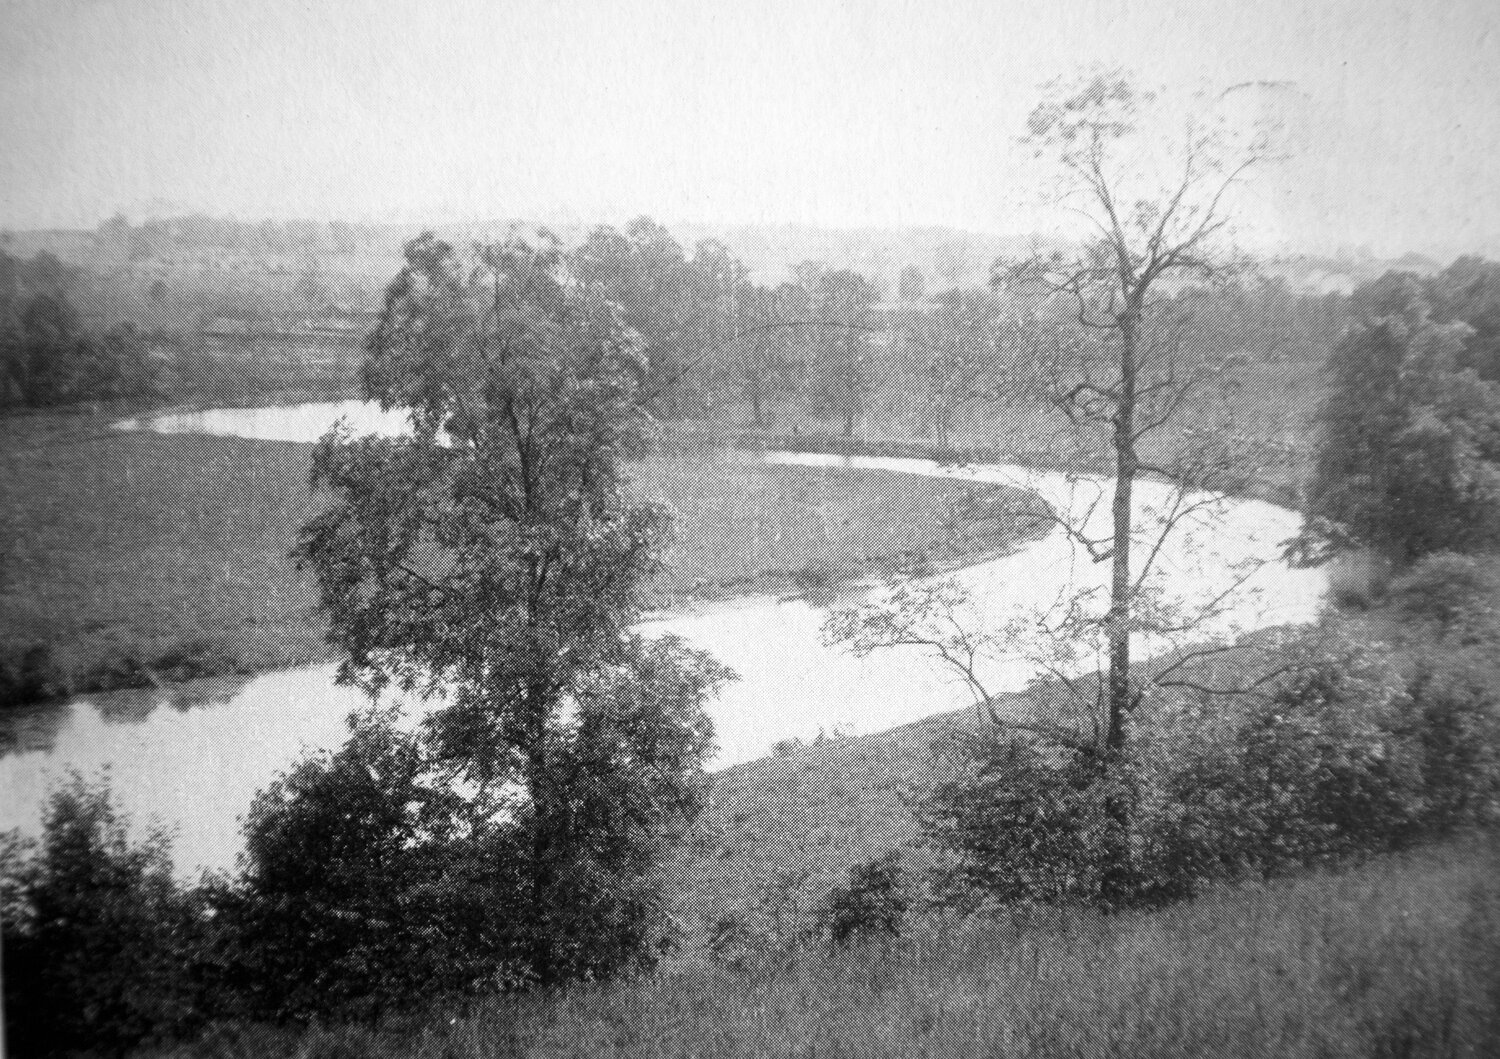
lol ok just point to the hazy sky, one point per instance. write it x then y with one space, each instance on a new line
842 114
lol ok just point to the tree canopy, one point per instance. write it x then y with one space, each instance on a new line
1409 462
492 561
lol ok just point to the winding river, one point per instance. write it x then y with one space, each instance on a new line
192 757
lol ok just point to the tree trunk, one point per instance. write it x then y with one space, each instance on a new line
1119 590
544 837
1115 880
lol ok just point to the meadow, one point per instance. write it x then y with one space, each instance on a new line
141 557
1397 957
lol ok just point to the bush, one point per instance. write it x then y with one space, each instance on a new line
31 675
103 950
1320 768
367 886
1454 592
874 902
1455 701
1022 821
1341 756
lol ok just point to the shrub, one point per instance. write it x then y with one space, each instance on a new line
102 948
1454 592
1340 756
873 903
32 675
1319 768
1022 821
777 920
368 886
1455 702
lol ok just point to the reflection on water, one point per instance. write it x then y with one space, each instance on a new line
197 763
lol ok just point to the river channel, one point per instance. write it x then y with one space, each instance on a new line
192 757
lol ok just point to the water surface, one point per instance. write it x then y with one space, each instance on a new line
194 757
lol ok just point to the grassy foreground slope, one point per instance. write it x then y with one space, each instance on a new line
1400 957
136 556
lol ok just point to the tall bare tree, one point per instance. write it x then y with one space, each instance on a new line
1116 355
1121 365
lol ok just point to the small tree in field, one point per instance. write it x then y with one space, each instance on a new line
1113 359
492 562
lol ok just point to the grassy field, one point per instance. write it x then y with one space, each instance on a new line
1271 406
140 555
1400 957
782 830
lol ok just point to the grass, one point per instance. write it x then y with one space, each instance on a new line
786 828
1271 405
140 556
1399 957
746 527
269 369
125 547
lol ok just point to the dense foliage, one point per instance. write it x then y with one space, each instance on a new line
491 561
49 355
1360 744
1410 456
103 949
366 884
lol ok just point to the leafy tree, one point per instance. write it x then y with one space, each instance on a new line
719 298
960 344
491 560
1409 458
1469 291
843 370
768 359
646 274
48 356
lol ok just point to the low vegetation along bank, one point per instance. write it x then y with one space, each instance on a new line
133 559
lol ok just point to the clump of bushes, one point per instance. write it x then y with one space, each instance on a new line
782 917
873 904
30 675
367 885
103 949
34 673
1451 592
374 882
1355 749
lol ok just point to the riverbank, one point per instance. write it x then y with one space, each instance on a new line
135 558
1278 482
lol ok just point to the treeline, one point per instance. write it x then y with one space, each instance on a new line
160 237
50 354
831 348
827 349
1409 461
